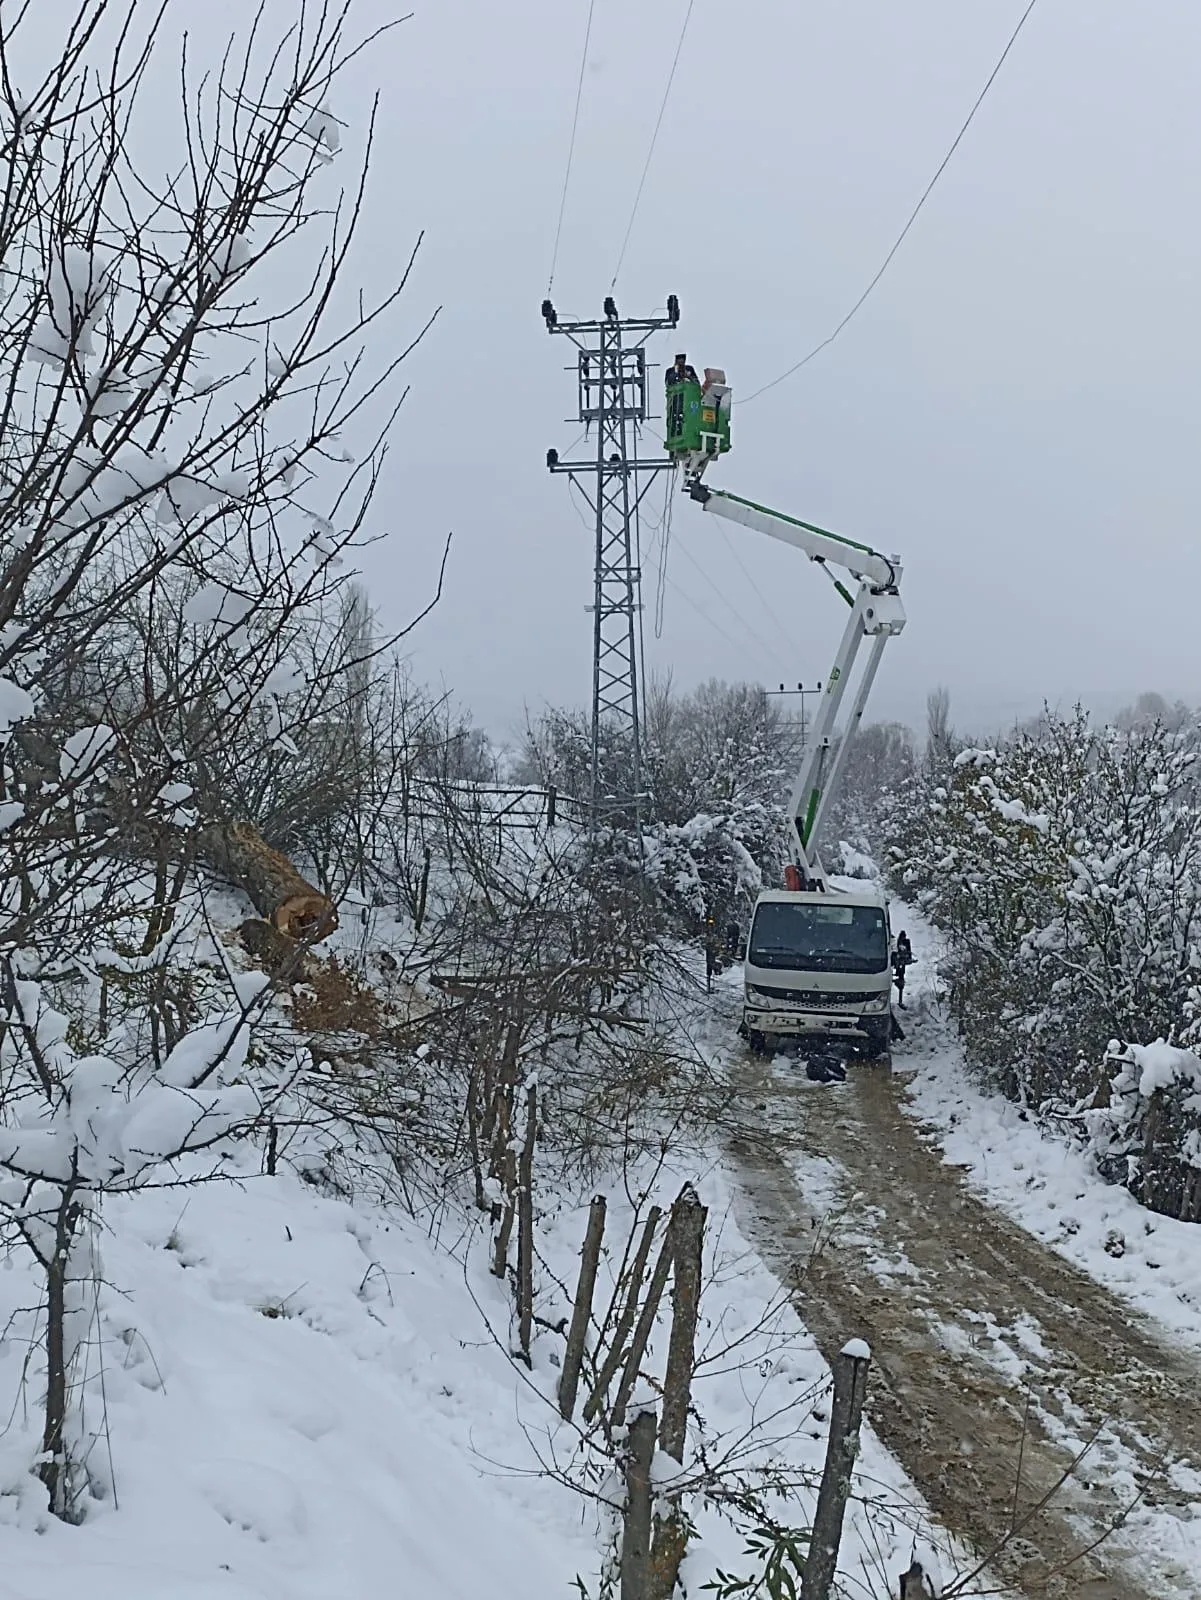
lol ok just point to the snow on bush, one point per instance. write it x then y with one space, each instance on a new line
1065 866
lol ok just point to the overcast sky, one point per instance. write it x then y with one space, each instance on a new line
1014 410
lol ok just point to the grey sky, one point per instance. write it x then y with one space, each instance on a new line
1014 410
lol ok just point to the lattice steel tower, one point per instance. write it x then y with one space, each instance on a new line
611 377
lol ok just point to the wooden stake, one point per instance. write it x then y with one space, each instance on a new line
581 1313
688 1231
636 1524
625 1322
850 1389
525 1226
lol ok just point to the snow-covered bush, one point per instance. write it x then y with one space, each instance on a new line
1065 866
1147 1133
715 771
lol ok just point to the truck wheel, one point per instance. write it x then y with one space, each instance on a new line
757 1042
878 1049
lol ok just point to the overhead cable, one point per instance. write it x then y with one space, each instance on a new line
760 596
913 216
646 166
575 123
664 545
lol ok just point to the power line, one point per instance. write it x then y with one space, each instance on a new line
730 607
762 598
664 545
654 140
575 123
704 615
913 215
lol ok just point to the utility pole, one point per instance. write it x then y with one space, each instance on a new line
611 382
803 694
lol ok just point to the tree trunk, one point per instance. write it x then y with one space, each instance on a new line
240 854
53 1467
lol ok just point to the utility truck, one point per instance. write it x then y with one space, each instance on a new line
818 960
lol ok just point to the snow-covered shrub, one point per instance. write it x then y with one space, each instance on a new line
715 767
708 867
1145 1130
1065 866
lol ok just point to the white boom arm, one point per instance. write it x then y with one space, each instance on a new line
876 614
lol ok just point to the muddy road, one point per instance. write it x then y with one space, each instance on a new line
995 1360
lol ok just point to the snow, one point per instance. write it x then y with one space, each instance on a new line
213 603
15 704
300 1405
1046 1184
85 749
857 1349
1161 1065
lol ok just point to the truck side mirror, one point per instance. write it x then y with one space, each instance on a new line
742 949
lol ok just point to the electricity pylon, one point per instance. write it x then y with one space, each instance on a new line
611 377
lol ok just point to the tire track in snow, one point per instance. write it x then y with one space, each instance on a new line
991 1351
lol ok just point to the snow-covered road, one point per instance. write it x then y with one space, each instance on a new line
999 1358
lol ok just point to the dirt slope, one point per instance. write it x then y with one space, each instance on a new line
992 1353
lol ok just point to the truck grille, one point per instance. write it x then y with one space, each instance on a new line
816 999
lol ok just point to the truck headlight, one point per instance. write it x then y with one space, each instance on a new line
880 1003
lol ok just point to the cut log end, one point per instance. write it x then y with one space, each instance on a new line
292 905
305 916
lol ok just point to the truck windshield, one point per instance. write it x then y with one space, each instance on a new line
819 938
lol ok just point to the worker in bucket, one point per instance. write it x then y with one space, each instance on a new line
681 371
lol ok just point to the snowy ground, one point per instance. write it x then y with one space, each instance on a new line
301 1403
1046 1184
293 1398
977 1299
762 1395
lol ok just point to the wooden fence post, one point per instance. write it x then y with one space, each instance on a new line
688 1225
850 1388
916 1584
573 1358
688 1234
625 1321
642 1332
636 1524
525 1225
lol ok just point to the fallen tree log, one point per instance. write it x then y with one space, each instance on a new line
237 852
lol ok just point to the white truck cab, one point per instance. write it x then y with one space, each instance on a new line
818 968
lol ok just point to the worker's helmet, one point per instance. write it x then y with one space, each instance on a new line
681 358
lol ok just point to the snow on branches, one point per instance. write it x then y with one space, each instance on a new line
1065 865
178 378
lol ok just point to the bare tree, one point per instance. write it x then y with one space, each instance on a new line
939 737
177 496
